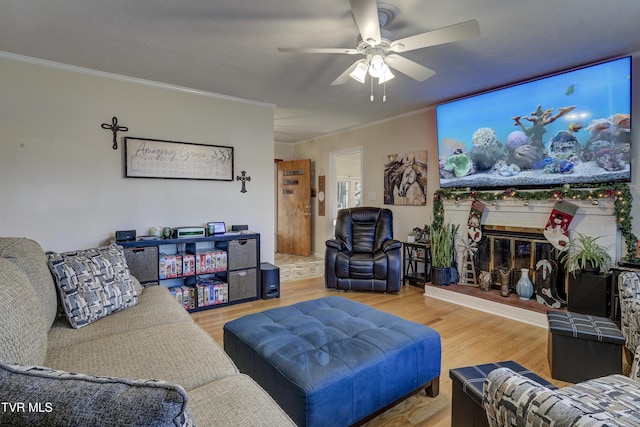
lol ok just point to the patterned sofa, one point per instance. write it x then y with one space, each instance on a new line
119 355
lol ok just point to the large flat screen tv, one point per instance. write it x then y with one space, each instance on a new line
571 127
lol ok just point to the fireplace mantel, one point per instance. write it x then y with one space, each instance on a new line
617 196
590 219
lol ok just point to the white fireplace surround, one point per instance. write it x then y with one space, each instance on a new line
590 219
593 220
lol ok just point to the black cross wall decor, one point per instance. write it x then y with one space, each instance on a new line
244 178
113 127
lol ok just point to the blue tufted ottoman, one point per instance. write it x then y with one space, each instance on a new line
332 361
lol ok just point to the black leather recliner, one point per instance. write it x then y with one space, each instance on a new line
363 256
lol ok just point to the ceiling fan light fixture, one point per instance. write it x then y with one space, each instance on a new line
386 77
377 67
360 72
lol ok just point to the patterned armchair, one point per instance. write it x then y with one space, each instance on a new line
629 293
511 399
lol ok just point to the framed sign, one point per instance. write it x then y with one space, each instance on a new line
155 158
321 195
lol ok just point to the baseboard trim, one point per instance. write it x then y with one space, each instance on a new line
504 310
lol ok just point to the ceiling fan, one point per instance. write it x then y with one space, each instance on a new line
381 51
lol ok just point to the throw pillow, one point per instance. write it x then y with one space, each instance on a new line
34 395
92 283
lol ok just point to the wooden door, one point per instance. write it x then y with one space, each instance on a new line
294 207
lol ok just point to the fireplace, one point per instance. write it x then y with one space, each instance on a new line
591 219
513 248
513 231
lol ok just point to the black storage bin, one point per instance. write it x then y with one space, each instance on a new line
581 347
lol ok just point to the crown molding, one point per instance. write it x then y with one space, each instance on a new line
123 78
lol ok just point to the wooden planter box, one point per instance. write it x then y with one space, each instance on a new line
589 294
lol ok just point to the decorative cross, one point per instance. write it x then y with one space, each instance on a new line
113 127
244 178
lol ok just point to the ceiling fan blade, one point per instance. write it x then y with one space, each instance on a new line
318 50
410 68
344 77
452 33
365 12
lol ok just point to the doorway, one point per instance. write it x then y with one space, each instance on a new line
345 180
294 207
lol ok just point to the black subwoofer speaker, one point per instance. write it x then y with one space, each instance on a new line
270 280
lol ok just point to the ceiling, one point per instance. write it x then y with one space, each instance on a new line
229 47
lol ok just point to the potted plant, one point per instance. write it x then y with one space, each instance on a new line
587 288
442 254
586 254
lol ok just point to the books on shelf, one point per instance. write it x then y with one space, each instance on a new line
170 266
211 261
183 265
188 265
205 292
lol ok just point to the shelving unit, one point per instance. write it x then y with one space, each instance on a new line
416 262
229 274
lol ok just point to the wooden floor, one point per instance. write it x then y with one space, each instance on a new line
469 337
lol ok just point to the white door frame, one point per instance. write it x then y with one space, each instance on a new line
333 181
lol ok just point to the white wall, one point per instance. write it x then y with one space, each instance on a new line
283 150
64 186
411 132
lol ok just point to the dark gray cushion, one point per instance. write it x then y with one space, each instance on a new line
33 395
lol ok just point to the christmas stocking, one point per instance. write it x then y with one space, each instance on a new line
557 228
473 224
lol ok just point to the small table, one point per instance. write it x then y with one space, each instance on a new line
416 261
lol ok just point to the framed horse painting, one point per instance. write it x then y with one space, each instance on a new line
405 179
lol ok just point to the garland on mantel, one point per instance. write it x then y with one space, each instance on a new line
618 192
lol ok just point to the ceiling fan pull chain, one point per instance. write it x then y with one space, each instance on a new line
384 91
371 90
